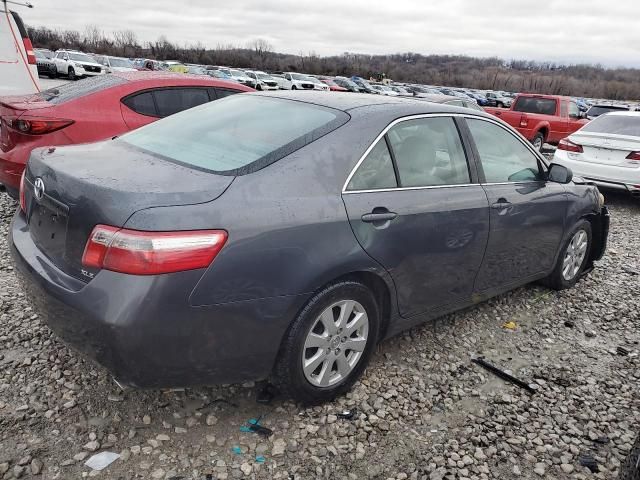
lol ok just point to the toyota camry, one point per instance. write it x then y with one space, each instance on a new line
283 235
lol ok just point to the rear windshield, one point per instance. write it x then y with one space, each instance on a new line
615 125
544 106
81 57
238 134
73 90
601 110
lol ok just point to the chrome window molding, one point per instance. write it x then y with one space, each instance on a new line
519 137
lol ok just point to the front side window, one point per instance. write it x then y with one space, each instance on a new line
376 170
504 157
238 134
574 111
429 152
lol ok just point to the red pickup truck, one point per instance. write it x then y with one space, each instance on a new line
542 118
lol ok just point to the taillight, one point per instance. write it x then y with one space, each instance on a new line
151 253
31 125
524 121
31 56
569 146
23 198
634 156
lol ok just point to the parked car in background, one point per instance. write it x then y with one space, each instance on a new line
497 99
74 64
451 100
333 86
220 74
18 68
479 98
196 70
294 81
318 85
401 90
46 67
284 235
420 91
45 52
115 64
602 108
261 80
347 84
542 118
384 89
240 77
174 66
605 151
95 109
364 85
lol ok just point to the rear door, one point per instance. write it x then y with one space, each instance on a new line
416 208
527 212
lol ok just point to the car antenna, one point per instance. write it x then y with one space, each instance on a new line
25 4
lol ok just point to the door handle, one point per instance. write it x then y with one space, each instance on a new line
501 204
378 217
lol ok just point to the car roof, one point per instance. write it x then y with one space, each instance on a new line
348 102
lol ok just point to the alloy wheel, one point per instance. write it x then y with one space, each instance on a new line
335 343
574 256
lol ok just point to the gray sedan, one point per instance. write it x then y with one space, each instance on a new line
284 235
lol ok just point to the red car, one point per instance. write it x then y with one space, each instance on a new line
333 86
95 109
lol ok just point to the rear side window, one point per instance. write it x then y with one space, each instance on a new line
614 125
176 100
375 171
543 106
142 103
222 92
74 90
238 134
429 152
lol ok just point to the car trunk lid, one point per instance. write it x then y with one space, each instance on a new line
70 190
605 149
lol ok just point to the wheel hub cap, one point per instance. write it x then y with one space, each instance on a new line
573 258
335 343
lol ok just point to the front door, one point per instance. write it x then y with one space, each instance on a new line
527 212
416 209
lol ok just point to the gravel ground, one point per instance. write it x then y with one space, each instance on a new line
424 411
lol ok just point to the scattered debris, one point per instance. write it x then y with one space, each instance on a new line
510 325
587 460
602 440
590 334
260 459
623 351
502 374
101 460
266 394
236 449
253 426
347 414
569 324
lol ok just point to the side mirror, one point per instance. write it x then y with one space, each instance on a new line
559 173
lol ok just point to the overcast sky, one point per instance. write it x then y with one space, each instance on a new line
569 31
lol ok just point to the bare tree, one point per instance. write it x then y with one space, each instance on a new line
126 41
262 50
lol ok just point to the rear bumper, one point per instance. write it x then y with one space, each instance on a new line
606 176
143 330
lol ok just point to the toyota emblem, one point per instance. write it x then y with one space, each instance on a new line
38 188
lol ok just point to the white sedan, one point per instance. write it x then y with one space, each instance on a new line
605 151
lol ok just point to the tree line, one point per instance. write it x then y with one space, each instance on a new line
592 81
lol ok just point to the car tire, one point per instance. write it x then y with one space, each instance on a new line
630 468
538 141
259 87
293 87
573 258
499 105
349 305
71 74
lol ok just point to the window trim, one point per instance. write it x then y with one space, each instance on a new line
467 142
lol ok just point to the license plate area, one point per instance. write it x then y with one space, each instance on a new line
48 226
